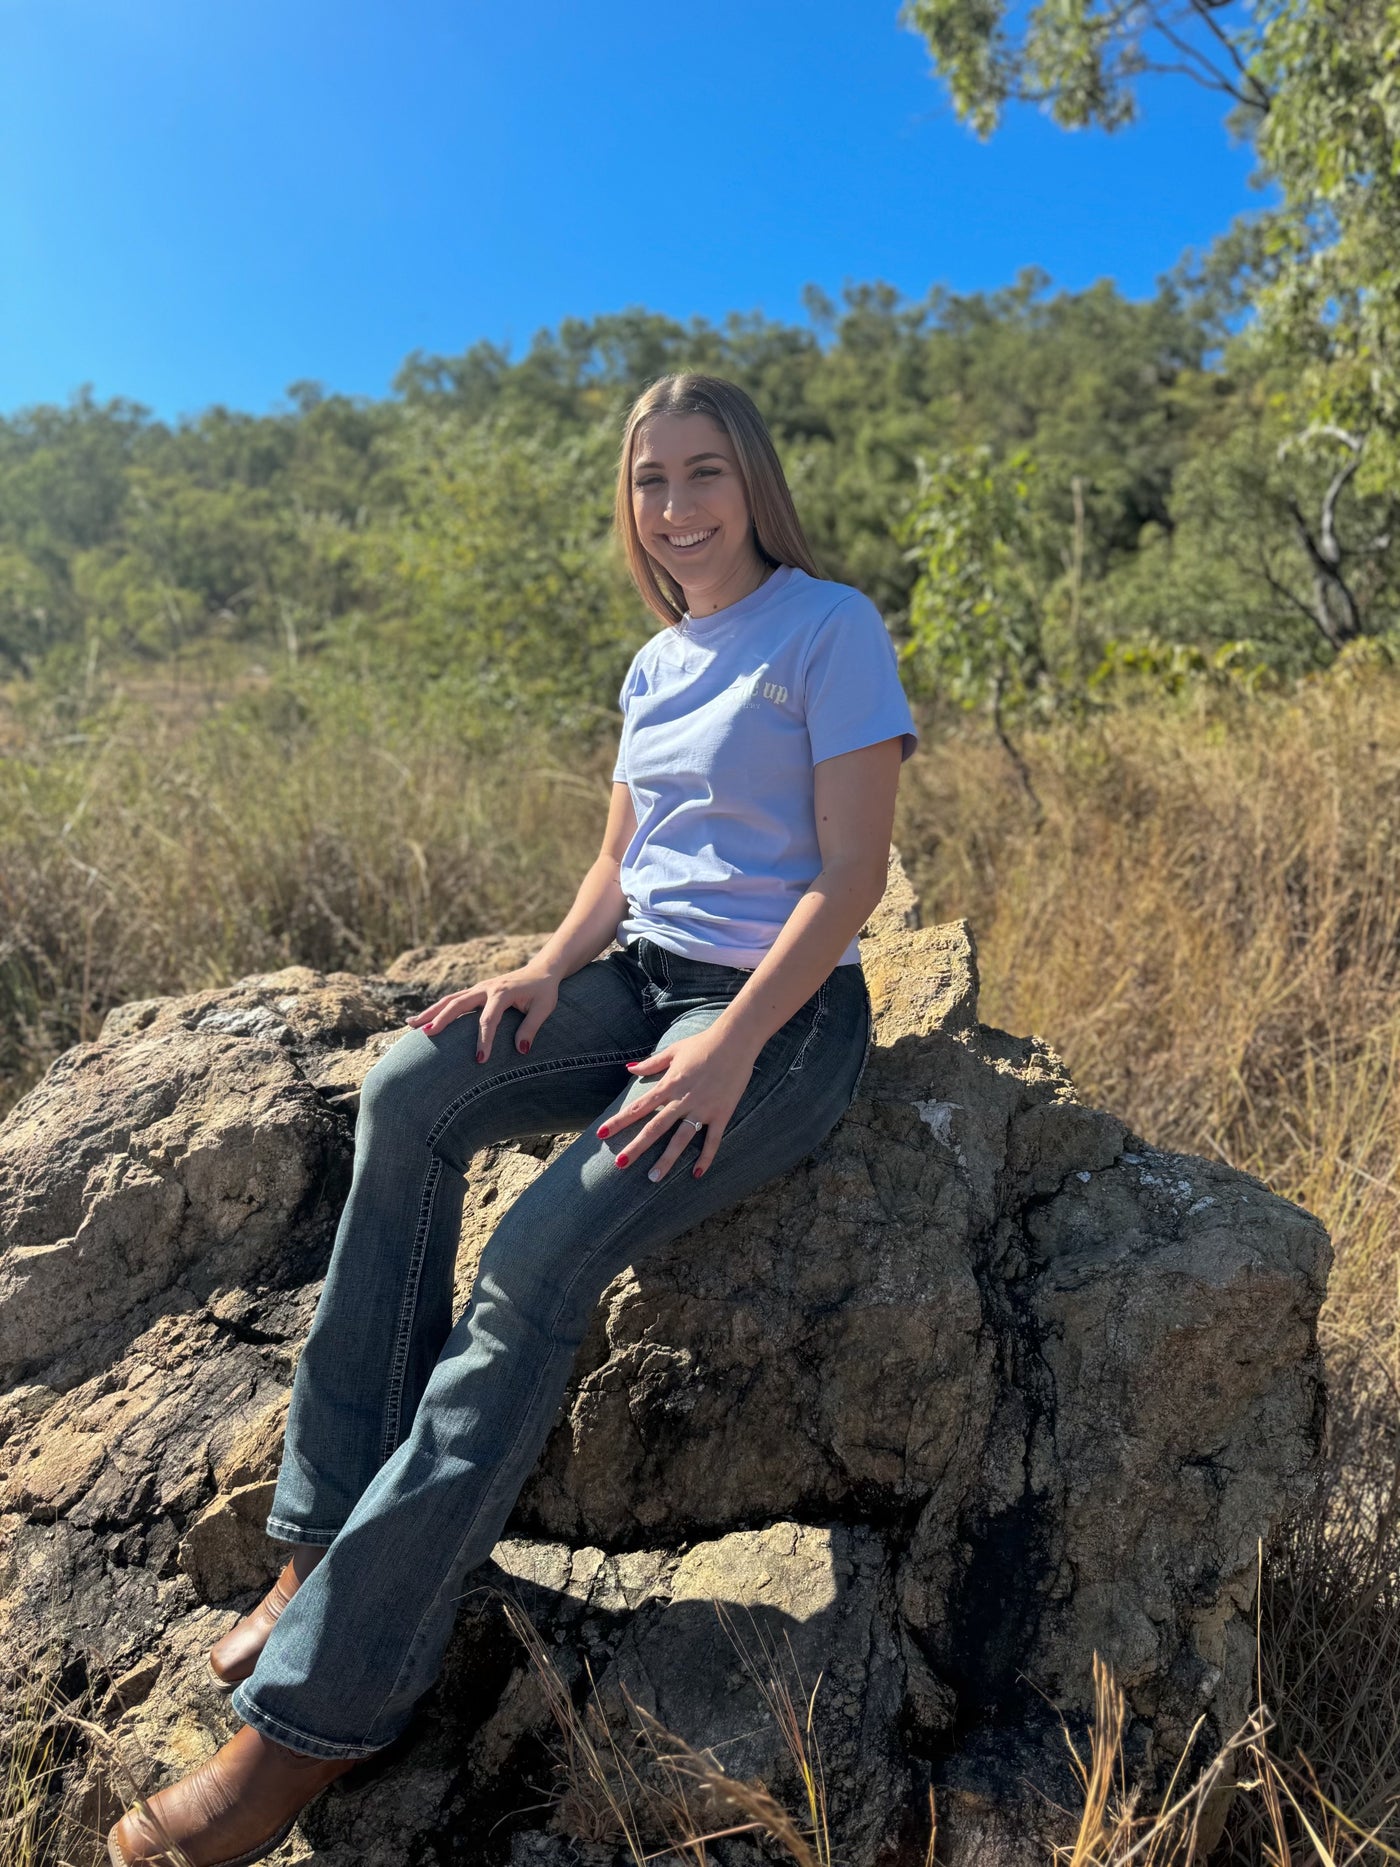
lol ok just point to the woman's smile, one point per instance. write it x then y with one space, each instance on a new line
689 541
690 510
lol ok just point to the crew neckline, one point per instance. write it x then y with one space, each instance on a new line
698 626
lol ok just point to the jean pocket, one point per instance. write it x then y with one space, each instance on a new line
821 999
697 980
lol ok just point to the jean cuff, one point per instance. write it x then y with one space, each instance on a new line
283 1530
289 1736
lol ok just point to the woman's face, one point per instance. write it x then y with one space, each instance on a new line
691 509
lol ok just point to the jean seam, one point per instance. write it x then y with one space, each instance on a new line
600 1246
408 1309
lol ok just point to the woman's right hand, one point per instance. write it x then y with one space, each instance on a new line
529 988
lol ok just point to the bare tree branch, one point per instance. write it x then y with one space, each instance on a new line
1204 11
1214 77
1213 83
1280 588
1329 545
1327 582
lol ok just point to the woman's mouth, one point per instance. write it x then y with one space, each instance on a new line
689 541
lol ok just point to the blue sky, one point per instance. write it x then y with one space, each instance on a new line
206 202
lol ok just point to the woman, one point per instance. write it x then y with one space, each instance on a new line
753 799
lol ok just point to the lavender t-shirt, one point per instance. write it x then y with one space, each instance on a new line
724 718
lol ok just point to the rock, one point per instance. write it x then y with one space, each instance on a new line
225 1551
985 1385
434 971
803 1608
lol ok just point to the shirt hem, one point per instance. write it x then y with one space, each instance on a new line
686 946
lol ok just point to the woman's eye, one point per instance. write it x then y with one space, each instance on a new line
707 473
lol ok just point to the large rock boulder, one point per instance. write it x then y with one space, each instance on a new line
985 1386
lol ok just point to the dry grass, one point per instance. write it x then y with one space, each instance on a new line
159 854
1295 1822
1329 1656
30 1771
624 1779
54 1752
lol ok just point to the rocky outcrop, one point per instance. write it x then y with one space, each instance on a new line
983 1387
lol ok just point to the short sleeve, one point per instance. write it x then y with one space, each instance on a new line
624 694
851 686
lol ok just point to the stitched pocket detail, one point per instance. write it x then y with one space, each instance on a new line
818 1016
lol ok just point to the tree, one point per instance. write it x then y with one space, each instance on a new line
1081 59
1316 85
976 615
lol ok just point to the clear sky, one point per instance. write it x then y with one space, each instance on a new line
206 200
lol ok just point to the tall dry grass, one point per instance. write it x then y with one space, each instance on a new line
155 852
623 1778
62 1764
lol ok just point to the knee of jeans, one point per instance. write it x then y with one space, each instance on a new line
535 1280
383 1091
401 1086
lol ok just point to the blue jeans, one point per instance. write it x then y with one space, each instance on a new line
409 1438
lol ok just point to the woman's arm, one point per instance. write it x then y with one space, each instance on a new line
705 1074
854 795
599 904
582 934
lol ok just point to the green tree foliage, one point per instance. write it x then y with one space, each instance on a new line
458 531
976 622
1329 300
1315 86
1280 518
1081 59
461 525
498 571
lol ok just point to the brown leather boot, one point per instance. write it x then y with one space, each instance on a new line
232 1810
232 1659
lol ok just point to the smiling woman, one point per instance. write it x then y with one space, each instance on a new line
747 843
703 509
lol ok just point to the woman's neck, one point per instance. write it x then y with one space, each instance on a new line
760 574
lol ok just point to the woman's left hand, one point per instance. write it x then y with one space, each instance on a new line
705 1076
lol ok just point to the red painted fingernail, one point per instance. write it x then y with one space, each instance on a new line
481 1056
695 1172
622 1160
525 1046
603 1133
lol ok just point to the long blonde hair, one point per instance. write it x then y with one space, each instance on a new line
777 529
